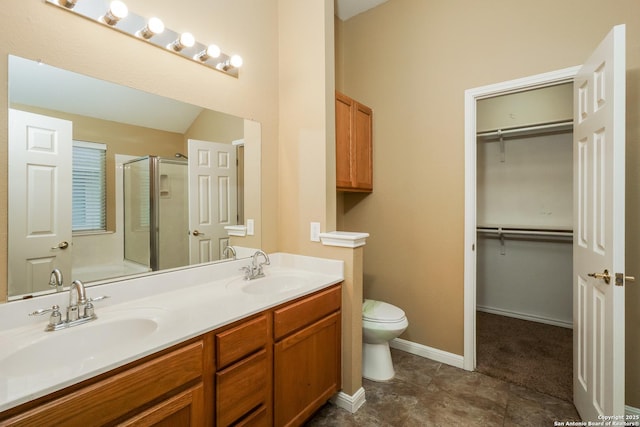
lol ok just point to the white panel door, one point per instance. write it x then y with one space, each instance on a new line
212 198
599 174
40 169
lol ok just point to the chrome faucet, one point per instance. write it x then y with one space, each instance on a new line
55 280
229 249
76 308
254 270
79 311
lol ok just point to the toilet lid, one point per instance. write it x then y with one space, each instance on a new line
379 311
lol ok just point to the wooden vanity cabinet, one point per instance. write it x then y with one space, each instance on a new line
274 368
307 351
167 389
354 145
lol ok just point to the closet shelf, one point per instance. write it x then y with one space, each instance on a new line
515 231
498 134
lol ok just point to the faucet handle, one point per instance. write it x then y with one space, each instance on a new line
100 298
54 319
41 311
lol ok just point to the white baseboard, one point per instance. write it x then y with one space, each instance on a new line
630 410
428 352
349 403
524 316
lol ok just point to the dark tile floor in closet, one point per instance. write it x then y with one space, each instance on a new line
427 393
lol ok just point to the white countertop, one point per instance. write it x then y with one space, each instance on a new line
174 306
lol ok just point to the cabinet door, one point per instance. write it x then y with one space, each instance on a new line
306 371
184 409
343 141
361 150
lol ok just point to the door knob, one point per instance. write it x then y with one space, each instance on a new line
197 233
61 245
604 276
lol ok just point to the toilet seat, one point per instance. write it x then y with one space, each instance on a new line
381 312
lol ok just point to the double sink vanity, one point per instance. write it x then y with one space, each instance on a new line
197 346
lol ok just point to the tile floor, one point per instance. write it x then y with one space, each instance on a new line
427 393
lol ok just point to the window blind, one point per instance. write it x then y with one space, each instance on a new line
89 186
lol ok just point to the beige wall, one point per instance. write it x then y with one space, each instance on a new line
411 61
215 127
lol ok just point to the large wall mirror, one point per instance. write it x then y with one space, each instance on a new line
106 181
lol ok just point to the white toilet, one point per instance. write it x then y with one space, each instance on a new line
381 322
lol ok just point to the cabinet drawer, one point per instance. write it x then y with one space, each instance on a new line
258 418
241 388
306 311
114 397
240 341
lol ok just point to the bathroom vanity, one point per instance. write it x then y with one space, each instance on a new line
275 364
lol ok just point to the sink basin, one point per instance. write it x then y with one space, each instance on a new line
271 284
76 349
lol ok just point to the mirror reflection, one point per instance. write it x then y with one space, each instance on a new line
107 181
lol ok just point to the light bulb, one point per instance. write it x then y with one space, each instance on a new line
236 61
117 11
154 26
212 51
185 40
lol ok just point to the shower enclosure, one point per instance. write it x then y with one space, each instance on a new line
156 212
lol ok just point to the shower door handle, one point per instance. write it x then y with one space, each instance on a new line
197 233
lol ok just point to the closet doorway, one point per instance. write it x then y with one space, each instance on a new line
598 207
524 257
472 98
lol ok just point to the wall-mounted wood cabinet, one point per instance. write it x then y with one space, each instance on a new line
354 145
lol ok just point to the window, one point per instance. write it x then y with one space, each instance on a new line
89 182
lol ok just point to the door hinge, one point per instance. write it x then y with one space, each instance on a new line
621 279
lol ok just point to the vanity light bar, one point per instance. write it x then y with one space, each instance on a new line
114 14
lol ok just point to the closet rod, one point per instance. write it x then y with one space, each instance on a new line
566 125
525 232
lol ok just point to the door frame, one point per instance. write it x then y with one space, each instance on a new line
471 96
